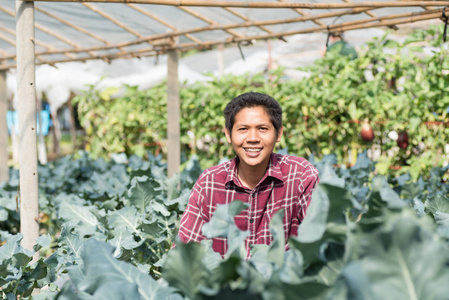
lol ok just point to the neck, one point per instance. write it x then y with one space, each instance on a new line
251 176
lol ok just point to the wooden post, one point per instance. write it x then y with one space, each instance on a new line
4 168
26 96
173 114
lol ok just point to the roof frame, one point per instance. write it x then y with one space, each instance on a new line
199 37
247 4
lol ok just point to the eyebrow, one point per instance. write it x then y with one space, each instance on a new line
258 125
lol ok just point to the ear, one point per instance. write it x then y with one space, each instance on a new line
228 135
281 130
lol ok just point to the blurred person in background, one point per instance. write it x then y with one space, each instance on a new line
336 44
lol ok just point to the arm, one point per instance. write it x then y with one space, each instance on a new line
192 219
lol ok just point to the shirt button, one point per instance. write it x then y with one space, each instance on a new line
251 221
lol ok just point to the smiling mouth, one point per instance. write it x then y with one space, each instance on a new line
253 150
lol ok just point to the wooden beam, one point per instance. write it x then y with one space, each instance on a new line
13 43
411 17
173 114
76 27
113 20
302 13
44 29
44 45
208 20
2 53
107 57
4 144
243 17
247 4
8 40
26 95
207 28
366 23
369 13
156 18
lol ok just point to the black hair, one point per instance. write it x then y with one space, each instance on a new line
337 34
253 99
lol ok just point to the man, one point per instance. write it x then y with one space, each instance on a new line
266 181
337 44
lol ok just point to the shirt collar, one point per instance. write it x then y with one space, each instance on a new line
232 173
274 170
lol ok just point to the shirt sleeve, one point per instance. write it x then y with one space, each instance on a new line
192 219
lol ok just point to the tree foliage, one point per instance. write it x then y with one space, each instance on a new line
394 86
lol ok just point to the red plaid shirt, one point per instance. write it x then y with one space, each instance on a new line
287 184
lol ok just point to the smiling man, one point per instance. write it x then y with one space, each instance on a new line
265 180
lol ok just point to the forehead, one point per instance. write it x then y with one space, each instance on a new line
251 115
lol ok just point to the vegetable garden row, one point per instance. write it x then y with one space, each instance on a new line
107 229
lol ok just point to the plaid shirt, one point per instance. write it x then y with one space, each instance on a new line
287 184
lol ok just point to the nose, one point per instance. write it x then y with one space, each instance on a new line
253 136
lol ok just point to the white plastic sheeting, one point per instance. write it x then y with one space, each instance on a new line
80 31
300 50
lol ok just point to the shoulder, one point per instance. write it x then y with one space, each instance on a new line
299 166
216 173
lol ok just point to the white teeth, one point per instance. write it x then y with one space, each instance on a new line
253 149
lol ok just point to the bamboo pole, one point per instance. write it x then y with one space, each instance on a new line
156 18
4 168
368 13
302 13
26 93
415 17
173 114
59 37
388 23
8 40
219 27
342 27
12 42
76 27
113 20
208 20
37 42
404 18
246 19
247 4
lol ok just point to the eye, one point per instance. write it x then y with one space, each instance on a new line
263 128
241 129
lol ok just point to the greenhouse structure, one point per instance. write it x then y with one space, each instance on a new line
54 32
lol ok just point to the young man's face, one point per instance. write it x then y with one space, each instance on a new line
253 136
